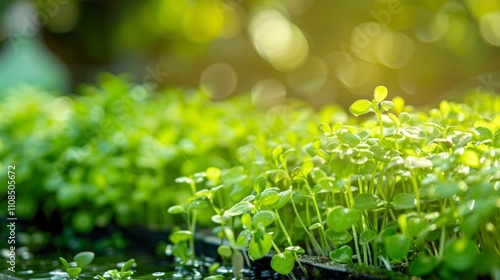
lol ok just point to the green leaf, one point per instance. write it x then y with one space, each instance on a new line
284 197
338 238
263 218
350 139
257 249
385 106
277 151
240 208
213 174
278 175
179 236
367 237
314 226
269 197
380 93
259 184
83 259
283 263
64 262
295 249
403 201
324 128
397 246
296 172
341 218
470 158
360 107
73 272
365 201
199 203
224 251
423 265
460 254
415 225
214 277
394 118
128 265
342 255
404 117
246 220
307 167
176 209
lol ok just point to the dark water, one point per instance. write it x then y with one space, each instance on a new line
146 267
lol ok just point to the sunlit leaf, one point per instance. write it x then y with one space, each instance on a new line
380 93
360 107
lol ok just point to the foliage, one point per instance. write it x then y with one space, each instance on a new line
397 188
407 188
81 260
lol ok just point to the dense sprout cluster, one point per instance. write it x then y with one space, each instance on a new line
393 187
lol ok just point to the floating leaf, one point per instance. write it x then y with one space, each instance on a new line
342 255
360 107
283 263
380 93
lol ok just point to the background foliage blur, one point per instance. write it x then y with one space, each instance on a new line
317 50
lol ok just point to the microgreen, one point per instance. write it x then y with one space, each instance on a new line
80 261
123 273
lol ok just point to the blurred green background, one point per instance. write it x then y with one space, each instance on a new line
423 50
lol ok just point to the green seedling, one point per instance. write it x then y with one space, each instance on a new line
125 272
81 260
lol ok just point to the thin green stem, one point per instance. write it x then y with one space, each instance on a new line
355 235
314 242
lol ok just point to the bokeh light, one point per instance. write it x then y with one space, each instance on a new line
278 40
